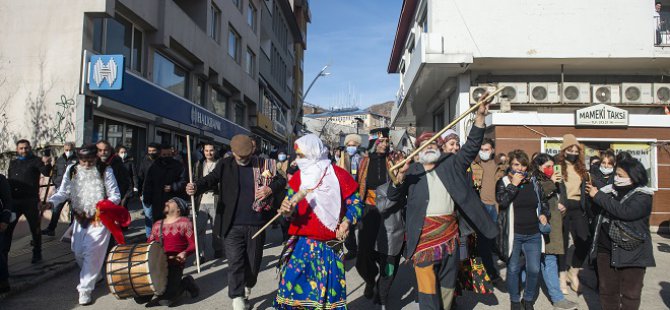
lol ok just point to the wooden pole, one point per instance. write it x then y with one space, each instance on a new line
190 180
452 124
266 226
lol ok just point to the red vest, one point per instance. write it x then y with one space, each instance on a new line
305 222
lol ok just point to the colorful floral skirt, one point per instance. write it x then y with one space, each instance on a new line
312 277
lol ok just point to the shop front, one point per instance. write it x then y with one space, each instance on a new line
646 137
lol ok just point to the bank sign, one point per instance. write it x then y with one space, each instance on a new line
106 72
601 115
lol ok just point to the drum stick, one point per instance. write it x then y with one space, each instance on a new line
452 124
190 180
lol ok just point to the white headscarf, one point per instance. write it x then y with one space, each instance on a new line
317 174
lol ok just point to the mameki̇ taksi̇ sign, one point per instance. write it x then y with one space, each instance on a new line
601 115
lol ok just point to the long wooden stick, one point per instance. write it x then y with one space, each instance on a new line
452 124
266 226
190 180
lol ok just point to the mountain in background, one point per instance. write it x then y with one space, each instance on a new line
383 109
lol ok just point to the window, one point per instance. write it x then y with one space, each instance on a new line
214 23
250 62
234 44
200 93
239 114
251 16
238 4
219 103
119 36
170 76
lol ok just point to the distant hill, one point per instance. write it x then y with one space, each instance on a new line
382 108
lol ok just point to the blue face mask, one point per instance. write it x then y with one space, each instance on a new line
281 157
351 150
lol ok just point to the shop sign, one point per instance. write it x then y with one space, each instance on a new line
106 72
202 118
601 115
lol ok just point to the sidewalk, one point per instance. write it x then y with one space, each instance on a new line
57 257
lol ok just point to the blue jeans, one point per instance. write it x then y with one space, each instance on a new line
550 277
531 246
148 218
485 247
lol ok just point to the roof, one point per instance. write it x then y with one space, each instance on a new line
404 24
343 113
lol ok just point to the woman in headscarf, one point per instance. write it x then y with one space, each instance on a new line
326 204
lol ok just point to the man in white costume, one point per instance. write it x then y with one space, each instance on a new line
85 184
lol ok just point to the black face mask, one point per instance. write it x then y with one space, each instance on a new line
571 158
153 156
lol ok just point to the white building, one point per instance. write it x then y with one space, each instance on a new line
602 51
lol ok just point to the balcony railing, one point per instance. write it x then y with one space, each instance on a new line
662 30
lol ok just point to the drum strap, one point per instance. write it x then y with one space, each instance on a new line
161 232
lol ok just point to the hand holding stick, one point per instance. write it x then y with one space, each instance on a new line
297 197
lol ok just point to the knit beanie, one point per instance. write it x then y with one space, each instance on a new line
569 140
182 204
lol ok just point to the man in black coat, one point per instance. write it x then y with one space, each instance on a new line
24 180
153 150
437 266
68 158
239 193
5 218
165 179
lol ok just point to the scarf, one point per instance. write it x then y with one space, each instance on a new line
317 176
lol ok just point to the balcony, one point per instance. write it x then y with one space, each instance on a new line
662 31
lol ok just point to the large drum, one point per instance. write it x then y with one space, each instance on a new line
137 270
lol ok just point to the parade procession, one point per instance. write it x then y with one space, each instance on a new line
416 154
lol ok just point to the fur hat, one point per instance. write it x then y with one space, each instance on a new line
353 138
569 140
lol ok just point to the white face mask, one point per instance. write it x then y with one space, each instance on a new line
68 154
606 171
619 181
123 155
485 156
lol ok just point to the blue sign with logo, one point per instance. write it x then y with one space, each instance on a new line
106 72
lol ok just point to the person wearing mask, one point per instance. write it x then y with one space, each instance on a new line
205 204
603 174
435 188
165 179
526 215
149 158
282 163
350 160
129 165
373 172
622 264
68 158
6 215
24 179
451 142
109 157
246 207
542 169
485 173
573 204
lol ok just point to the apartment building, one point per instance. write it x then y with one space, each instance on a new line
190 67
596 69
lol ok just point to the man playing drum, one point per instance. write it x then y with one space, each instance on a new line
85 184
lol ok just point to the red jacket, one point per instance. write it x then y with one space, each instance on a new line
305 222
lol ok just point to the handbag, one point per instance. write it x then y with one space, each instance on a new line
623 235
472 275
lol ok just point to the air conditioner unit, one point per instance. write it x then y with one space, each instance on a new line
661 93
476 93
543 92
606 94
515 92
636 93
576 92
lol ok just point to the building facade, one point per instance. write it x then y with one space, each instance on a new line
554 59
190 67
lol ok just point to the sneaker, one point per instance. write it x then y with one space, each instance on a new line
565 305
85 298
49 232
247 293
527 305
515 306
239 303
37 257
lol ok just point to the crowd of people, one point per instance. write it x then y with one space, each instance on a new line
450 202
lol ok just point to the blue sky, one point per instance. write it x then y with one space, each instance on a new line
355 37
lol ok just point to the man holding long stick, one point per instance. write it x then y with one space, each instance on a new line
435 188
246 184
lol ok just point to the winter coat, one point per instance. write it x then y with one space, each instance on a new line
129 164
142 171
635 211
24 176
164 171
451 169
225 178
391 233
6 203
198 174
122 175
61 164
505 194
554 241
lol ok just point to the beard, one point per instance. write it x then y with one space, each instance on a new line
429 156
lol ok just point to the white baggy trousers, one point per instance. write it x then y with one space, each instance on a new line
90 248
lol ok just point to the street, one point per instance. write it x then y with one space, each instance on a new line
60 292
